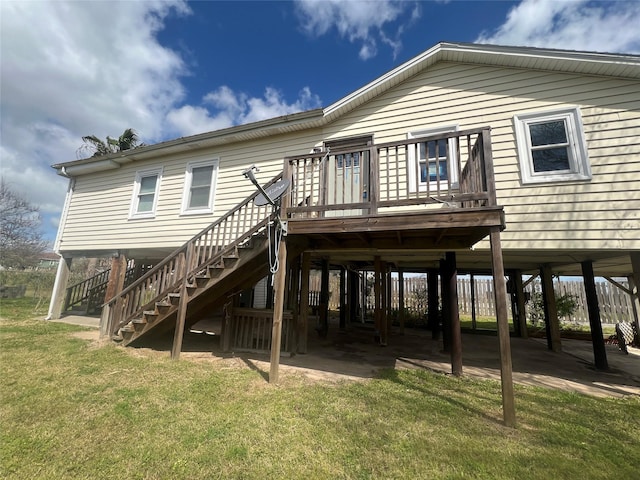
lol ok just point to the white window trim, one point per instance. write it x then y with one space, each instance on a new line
579 167
140 174
451 169
214 162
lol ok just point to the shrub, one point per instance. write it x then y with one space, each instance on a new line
566 304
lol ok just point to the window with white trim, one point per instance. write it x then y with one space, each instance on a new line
437 162
551 146
199 187
145 193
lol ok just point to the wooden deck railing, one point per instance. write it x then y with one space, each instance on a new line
87 290
250 330
455 169
207 248
90 293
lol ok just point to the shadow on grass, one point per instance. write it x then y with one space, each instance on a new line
395 377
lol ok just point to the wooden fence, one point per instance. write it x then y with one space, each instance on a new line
615 304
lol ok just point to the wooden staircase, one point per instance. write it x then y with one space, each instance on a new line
228 254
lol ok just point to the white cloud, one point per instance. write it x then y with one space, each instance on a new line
230 108
77 68
358 21
576 25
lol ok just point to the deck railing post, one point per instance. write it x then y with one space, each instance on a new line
489 182
374 180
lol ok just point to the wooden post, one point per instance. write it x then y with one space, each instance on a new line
445 288
401 318
323 308
377 294
386 318
473 303
520 303
58 294
182 305
303 318
354 296
550 310
280 282
454 315
504 342
109 321
599 350
362 285
343 303
293 300
433 314
117 274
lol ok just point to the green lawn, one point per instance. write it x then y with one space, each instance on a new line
72 410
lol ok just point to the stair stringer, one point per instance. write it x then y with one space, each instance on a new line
213 291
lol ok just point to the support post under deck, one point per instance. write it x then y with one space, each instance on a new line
599 350
520 303
278 308
433 314
401 317
303 317
504 342
552 321
451 277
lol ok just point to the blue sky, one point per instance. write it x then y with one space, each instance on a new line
173 68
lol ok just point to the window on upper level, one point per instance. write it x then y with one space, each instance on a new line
199 187
551 146
433 163
145 193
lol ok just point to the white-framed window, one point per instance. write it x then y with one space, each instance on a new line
145 193
200 187
433 163
551 146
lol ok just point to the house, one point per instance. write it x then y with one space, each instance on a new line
48 261
471 158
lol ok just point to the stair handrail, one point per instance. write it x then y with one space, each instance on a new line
202 260
78 292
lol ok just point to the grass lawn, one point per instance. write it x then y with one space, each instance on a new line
72 410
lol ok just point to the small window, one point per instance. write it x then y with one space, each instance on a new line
551 146
145 193
437 163
199 187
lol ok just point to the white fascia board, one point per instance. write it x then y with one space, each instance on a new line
84 168
562 60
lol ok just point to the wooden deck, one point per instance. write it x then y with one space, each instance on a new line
428 193
442 229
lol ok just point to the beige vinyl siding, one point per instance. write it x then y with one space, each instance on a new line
595 214
98 216
598 214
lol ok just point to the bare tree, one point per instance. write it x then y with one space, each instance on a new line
21 240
